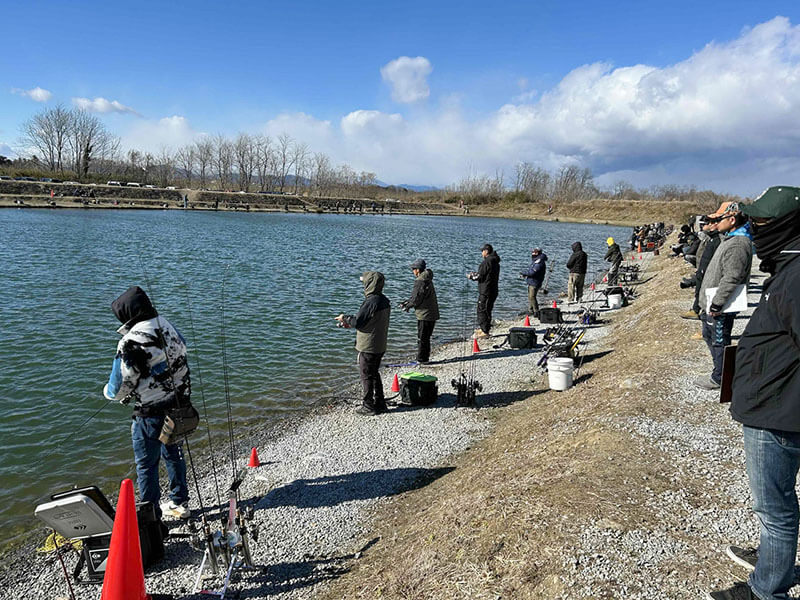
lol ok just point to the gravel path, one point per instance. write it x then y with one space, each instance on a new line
321 480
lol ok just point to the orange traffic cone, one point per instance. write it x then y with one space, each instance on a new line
639 249
395 384
527 322
124 578
554 304
254 462
475 347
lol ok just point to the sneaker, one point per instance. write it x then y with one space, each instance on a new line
706 383
179 511
739 591
689 314
744 557
367 411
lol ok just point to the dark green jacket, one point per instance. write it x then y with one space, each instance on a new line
423 297
372 321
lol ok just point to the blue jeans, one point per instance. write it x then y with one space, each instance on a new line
717 334
773 458
147 449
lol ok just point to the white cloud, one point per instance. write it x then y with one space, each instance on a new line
5 150
152 135
407 76
725 116
101 105
36 94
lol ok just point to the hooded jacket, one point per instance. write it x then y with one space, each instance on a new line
423 297
766 384
578 261
372 320
729 267
489 275
534 274
614 254
150 367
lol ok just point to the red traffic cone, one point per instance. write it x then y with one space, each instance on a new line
527 322
592 286
395 384
605 279
254 462
555 305
124 578
475 347
640 257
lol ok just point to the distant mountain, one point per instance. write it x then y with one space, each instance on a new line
408 186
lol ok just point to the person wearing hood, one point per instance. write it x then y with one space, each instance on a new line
577 273
151 370
728 269
372 331
614 256
534 277
488 277
426 308
766 398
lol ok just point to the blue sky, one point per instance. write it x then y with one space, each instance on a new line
481 86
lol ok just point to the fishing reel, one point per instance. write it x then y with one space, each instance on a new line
466 390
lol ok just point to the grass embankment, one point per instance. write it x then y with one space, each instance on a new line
509 520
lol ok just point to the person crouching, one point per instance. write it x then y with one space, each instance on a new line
372 329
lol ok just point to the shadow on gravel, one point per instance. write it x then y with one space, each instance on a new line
336 489
487 353
505 398
587 358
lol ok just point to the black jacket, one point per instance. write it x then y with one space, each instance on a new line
489 275
423 297
577 262
766 386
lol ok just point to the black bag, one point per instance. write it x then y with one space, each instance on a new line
178 423
550 315
418 389
151 534
522 337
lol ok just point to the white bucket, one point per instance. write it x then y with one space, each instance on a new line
614 300
559 373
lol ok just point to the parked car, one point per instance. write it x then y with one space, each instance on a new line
150 187
133 184
170 187
117 183
72 183
5 178
45 179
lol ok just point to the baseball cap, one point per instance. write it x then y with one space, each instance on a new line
774 202
724 209
418 264
487 247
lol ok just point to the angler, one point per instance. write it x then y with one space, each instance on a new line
534 276
426 308
150 368
487 276
576 264
614 256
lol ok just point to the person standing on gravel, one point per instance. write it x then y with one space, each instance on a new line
577 273
534 276
488 277
705 252
614 256
766 399
151 369
728 269
426 308
372 331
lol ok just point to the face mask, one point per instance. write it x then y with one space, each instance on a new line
772 237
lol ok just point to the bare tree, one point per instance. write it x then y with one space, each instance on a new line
265 160
245 155
532 181
185 158
204 153
89 140
223 160
47 133
573 183
165 167
299 158
284 158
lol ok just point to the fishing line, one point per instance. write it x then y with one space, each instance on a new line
231 441
203 398
73 433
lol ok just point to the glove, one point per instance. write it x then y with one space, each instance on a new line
714 308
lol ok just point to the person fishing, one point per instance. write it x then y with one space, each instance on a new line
151 369
426 308
614 256
534 276
372 330
487 276
576 264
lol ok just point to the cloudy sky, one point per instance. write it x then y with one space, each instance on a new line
703 93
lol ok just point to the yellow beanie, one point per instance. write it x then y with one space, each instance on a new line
610 241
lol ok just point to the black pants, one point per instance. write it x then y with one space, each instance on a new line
368 365
424 331
485 306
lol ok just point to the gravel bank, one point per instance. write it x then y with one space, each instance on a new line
323 477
